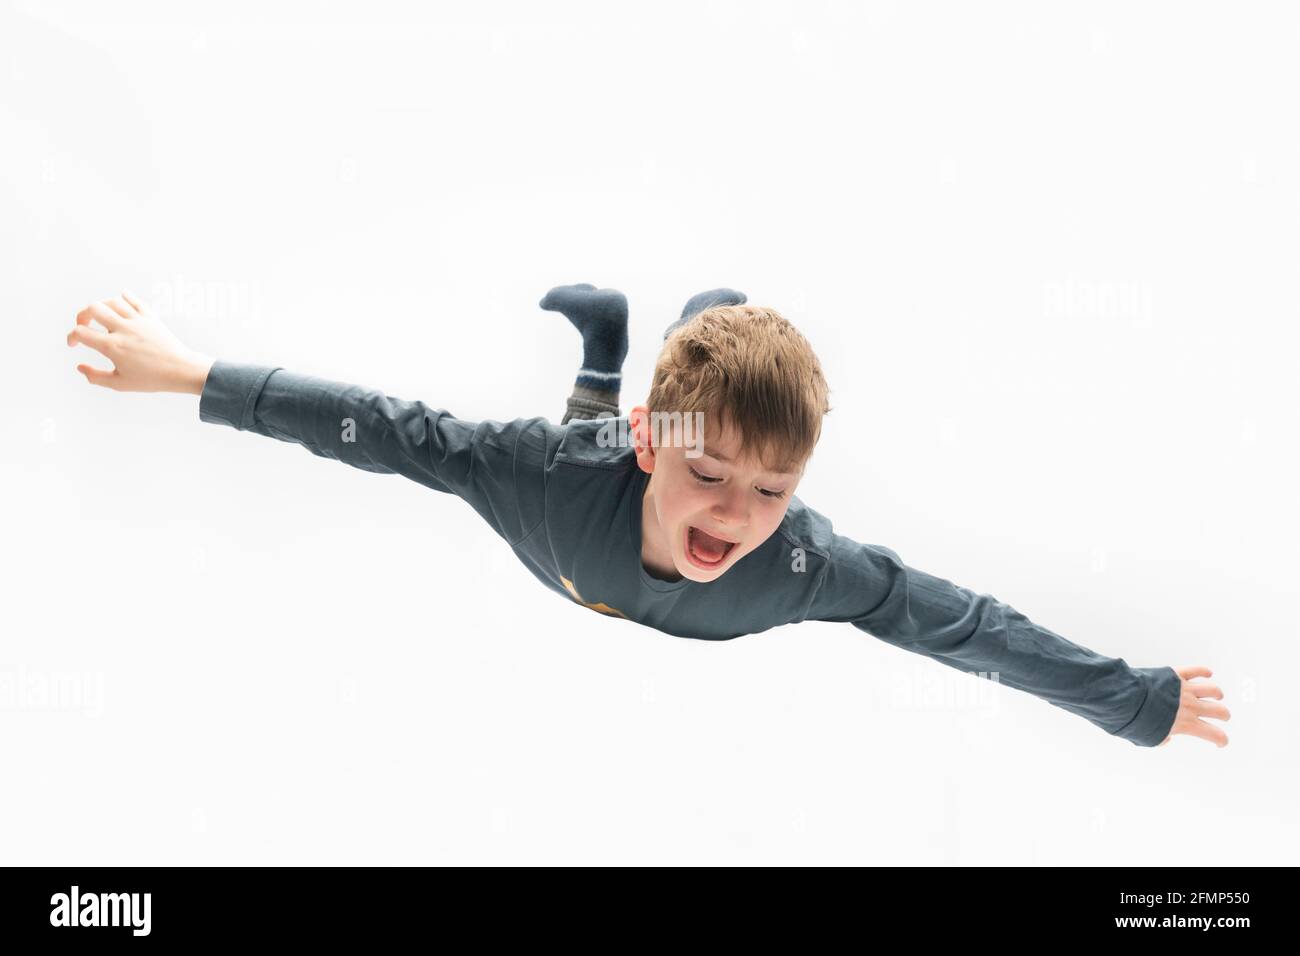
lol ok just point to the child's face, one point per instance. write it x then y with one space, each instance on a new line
697 501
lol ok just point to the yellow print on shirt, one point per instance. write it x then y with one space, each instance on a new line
600 606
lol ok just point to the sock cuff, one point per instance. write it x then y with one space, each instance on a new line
600 381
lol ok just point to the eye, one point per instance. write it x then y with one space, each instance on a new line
703 479
772 494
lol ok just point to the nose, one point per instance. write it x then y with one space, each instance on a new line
729 510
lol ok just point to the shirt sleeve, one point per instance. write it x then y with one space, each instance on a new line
870 587
497 467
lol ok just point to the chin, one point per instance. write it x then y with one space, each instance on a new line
699 575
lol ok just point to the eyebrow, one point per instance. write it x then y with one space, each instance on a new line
724 458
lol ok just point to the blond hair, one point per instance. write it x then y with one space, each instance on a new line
749 366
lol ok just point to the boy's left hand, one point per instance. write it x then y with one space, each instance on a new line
1193 707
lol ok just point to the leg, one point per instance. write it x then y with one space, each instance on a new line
600 315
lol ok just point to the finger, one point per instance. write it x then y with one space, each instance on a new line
98 376
101 314
1193 670
85 335
1203 688
132 301
1210 732
1212 709
120 307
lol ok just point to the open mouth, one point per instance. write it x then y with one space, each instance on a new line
704 550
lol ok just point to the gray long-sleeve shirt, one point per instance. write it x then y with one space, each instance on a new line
569 504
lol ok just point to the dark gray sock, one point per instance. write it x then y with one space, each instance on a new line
706 300
600 316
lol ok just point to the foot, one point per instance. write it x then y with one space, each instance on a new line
706 300
600 316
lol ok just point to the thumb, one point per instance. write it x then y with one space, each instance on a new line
98 376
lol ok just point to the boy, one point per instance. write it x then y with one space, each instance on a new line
697 534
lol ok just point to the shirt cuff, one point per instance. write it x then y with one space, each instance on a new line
1155 718
229 395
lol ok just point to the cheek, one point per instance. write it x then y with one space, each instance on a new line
676 506
689 498
771 518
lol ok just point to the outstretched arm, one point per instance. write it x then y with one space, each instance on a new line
871 587
496 467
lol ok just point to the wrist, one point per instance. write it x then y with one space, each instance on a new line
194 373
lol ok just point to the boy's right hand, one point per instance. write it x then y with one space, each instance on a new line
1192 709
146 356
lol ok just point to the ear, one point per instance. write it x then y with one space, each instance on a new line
639 419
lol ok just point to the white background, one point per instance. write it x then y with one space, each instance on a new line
1048 258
